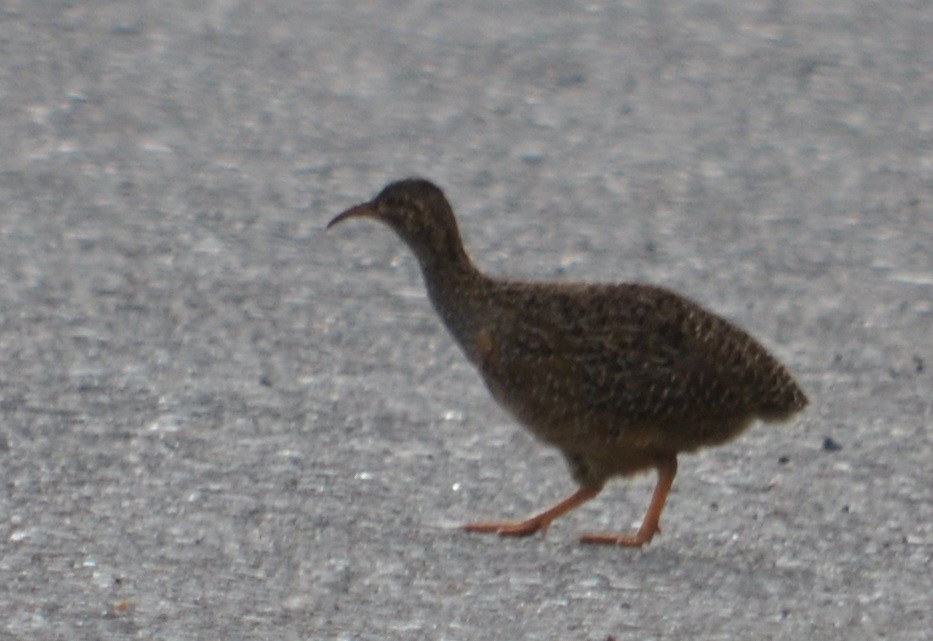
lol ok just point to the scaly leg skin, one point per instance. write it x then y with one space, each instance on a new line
539 522
667 469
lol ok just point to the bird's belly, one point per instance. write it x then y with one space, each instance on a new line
563 420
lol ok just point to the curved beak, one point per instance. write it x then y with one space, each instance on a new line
363 210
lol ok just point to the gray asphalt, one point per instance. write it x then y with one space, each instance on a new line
219 422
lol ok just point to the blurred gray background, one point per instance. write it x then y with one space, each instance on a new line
219 422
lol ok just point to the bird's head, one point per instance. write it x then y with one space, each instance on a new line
419 213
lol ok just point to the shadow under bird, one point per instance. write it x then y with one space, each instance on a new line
620 378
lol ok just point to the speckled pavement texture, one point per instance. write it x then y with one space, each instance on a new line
219 422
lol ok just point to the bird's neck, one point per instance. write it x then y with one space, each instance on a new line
444 262
449 282
456 289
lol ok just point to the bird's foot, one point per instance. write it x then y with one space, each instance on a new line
510 528
538 522
640 538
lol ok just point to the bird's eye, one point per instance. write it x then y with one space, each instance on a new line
395 202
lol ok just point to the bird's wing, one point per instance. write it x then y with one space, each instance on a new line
638 354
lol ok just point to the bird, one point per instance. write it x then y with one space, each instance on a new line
620 378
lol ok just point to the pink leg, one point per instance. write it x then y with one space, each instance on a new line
539 522
667 469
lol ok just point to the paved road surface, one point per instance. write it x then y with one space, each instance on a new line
220 423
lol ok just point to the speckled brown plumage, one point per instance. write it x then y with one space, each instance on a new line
620 378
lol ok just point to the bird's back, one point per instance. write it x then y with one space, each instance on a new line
604 363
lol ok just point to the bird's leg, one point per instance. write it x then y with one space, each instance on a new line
667 469
539 522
